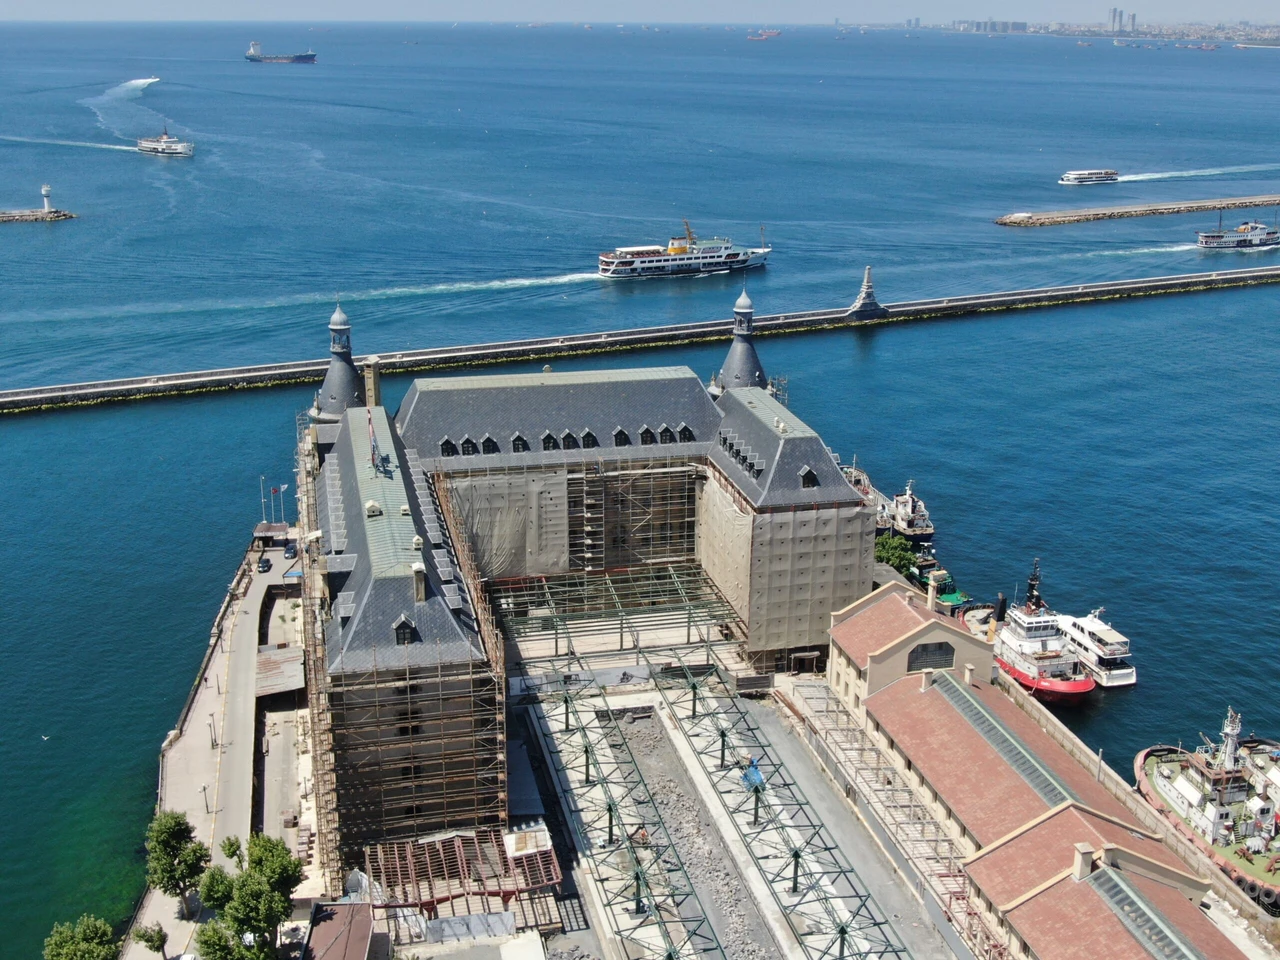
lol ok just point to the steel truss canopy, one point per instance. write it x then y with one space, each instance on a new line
827 906
582 613
642 883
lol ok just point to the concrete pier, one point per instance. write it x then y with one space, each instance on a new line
571 345
1055 217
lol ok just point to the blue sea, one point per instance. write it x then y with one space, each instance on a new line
455 184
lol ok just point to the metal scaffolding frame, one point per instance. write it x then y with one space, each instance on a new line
644 888
828 907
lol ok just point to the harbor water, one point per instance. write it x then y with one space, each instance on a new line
456 184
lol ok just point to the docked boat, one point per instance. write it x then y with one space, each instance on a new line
255 55
1103 650
1075 178
682 256
1222 797
909 517
166 146
1249 235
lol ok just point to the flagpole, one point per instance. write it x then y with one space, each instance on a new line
262 496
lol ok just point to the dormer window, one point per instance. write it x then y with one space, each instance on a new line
490 445
686 435
620 438
569 441
448 448
404 630
808 478
549 442
666 434
589 440
647 437
469 447
519 444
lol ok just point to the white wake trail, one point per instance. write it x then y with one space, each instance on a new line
72 143
1188 174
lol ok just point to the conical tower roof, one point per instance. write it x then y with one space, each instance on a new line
742 367
343 386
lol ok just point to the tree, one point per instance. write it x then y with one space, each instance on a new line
259 898
898 552
89 939
230 848
215 942
257 908
270 857
175 858
153 938
217 887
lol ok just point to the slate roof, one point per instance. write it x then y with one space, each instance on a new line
767 451
373 590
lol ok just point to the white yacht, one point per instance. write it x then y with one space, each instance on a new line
682 255
1249 235
1102 649
166 146
1074 178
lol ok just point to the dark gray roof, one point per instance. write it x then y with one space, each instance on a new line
767 452
742 366
343 386
372 558
533 405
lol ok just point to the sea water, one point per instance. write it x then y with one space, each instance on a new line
455 185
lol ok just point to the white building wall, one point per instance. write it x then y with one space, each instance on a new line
724 542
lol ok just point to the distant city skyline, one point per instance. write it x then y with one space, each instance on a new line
655 11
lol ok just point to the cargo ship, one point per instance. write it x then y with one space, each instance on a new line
1221 797
682 255
255 55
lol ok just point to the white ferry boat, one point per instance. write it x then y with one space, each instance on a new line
1103 650
1074 178
682 255
166 146
1248 236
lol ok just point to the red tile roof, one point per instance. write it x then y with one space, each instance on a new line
881 622
1069 921
1187 917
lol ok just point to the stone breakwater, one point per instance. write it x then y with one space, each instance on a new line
34 216
585 344
1054 217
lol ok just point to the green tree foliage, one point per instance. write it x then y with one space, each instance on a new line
256 908
217 887
175 859
270 857
231 849
89 939
898 552
153 937
215 942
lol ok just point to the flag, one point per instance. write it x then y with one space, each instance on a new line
284 487
274 491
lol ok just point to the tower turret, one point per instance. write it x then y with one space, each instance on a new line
742 367
866 307
343 386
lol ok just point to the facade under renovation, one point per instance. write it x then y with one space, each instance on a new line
579 511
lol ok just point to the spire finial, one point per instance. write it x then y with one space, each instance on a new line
866 306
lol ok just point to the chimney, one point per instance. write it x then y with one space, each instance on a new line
936 577
1082 865
419 582
968 674
373 381
926 679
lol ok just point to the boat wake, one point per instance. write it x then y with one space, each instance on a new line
464 286
117 112
72 143
1189 174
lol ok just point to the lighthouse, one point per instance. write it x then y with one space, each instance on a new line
47 191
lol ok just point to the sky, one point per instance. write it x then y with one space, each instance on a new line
654 11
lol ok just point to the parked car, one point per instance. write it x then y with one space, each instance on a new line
264 564
290 550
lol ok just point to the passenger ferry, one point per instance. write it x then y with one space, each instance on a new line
1073 178
166 146
1103 650
683 255
1248 236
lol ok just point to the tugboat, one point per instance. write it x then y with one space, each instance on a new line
166 146
683 255
909 517
1221 797
255 55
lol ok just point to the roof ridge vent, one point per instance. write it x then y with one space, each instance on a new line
372 508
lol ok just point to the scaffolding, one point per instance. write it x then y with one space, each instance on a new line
925 841
640 880
828 907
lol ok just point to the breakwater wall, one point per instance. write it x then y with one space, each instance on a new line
584 344
1054 217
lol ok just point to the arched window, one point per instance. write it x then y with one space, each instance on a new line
686 435
620 438
569 441
519 444
404 630
549 442
448 448
589 440
938 656
490 445
666 435
469 447
647 437
808 478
